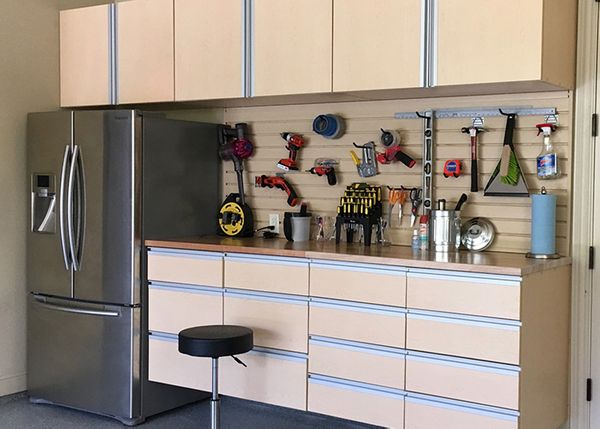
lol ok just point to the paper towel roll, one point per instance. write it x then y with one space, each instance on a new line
543 224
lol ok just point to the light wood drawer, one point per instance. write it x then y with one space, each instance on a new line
283 275
365 323
278 322
167 365
172 309
355 403
497 386
358 282
465 338
188 267
423 414
381 366
271 377
493 298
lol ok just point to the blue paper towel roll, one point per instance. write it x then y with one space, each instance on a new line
543 224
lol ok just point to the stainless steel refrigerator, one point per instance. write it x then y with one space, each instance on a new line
101 182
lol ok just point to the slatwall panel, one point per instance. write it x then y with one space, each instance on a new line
511 216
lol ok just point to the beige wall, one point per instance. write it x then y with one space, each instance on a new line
28 82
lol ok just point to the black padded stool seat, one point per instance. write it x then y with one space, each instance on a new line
215 341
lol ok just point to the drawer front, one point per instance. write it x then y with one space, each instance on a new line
194 268
277 323
271 378
267 274
358 283
357 363
356 324
490 386
172 309
485 341
430 415
354 403
167 365
499 298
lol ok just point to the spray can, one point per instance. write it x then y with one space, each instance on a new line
547 160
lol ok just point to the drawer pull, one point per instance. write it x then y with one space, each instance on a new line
357 346
361 268
355 306
298 262
485 410
356 386
185 253
178 287
488 322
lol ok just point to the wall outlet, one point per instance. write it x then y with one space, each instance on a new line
274 221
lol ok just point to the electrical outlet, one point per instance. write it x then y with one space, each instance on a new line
274 221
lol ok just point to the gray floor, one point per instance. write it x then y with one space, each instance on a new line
17 413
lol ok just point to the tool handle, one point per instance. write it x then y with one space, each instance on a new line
505 160
474 176
355 158
461 201
405 159
331 178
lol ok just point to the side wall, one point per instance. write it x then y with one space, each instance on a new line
28 82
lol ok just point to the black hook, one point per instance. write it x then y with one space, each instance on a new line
506 114
420 115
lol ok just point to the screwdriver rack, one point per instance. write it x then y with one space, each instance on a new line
360 205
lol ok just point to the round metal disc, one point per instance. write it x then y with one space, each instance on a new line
477 234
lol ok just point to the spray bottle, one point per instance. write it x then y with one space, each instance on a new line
547 160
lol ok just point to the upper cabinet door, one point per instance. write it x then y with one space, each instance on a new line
291 46
209 49
85 56
376 45
506 41
145 51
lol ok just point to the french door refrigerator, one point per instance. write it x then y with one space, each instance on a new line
101 182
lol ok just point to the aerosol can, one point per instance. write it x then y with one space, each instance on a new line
547 160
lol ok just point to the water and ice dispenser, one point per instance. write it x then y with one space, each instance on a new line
43 203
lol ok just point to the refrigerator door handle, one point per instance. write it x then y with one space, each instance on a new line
61 208
43 301
70 208
81 209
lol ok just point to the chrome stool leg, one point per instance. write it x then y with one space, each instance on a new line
215 402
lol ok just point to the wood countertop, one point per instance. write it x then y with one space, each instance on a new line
512 264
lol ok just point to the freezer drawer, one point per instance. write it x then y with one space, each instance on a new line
174 308
374 284
84 355
355 401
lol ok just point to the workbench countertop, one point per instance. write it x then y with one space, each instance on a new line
511 264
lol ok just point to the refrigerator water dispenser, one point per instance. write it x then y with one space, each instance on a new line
43 203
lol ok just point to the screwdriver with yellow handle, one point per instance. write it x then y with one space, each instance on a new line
355 158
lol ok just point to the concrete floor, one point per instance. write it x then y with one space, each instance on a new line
17 413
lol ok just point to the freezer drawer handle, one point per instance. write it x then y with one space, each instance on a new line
77 310
61 210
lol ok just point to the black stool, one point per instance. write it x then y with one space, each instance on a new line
215 341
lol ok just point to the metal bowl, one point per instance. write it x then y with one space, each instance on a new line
477 234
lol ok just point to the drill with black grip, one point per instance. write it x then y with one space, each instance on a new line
279 183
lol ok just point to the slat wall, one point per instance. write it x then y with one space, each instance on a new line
510 215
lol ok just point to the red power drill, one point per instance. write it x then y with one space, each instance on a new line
325 171
294 143
279 183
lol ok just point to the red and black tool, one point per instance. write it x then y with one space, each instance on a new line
452 168
279 183
390 139
294 143
325 171
473 131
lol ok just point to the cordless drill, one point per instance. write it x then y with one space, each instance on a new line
279 183
294 143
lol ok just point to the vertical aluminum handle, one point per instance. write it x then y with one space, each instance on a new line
61 208
70 208
81 208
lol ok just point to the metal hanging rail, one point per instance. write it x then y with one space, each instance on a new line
480 112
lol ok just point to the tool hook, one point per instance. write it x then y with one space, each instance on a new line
422 116
506 114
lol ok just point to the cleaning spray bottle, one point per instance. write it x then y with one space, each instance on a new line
547 160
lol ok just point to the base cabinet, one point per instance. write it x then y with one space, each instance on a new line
271 376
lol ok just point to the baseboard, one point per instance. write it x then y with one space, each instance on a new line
13 384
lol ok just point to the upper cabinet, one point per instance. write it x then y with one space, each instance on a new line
145 52
505 41
85 65
209 49
291 46
376 46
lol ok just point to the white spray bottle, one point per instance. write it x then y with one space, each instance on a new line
547 160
